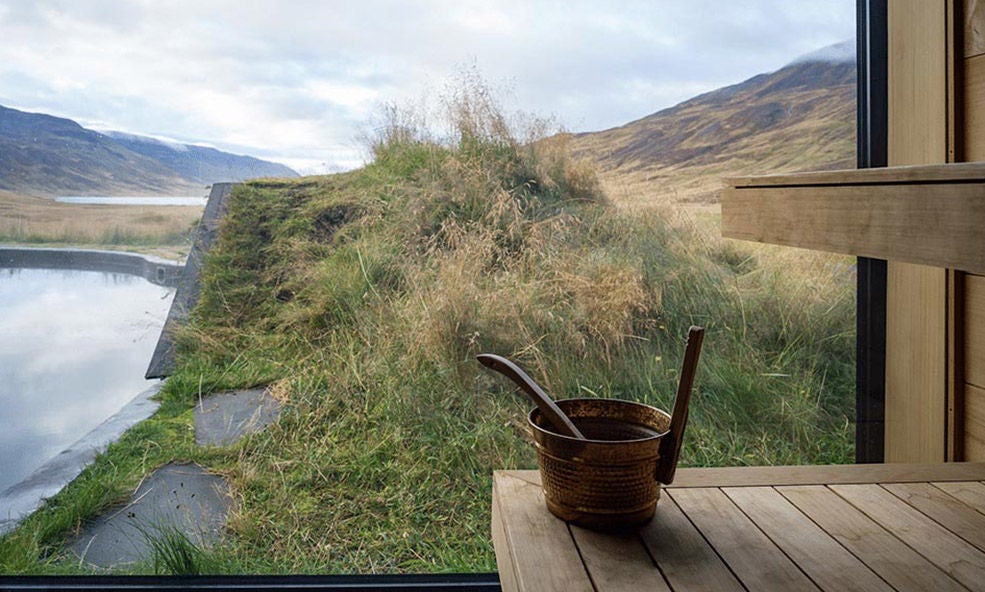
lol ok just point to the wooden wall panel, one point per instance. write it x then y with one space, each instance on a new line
915 363
974 332
970 425
974 27
974 108
916 298
974 447
917 70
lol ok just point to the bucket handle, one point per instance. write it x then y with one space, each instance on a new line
670 444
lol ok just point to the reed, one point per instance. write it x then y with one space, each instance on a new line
40 221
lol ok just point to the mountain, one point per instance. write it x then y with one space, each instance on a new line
45 155
41 154
799 117
202 164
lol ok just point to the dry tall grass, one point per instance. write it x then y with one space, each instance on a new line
363 298
165 230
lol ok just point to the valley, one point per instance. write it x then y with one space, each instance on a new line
163 231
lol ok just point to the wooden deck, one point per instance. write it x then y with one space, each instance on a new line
852 527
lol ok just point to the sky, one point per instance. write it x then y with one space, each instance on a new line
304 81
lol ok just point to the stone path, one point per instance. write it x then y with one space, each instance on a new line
221 420
178 498
174 498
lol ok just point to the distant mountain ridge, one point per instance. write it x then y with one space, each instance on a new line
46 155
202 164
799 117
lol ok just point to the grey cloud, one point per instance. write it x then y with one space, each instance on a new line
591 64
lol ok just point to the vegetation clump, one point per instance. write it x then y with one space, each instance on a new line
362 299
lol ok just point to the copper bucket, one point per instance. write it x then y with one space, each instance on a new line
612 478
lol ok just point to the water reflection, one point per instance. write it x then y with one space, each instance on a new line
73 349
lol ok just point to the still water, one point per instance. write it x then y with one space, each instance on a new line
135 201
74 346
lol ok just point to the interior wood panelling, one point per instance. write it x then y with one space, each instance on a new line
974 27
916 299
974 332
974 108
917 69
955 364
915 363
974 423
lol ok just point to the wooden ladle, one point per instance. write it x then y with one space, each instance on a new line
670 445
558 420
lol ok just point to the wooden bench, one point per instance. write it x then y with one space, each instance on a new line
846 527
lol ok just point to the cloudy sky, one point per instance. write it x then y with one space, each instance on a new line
299 81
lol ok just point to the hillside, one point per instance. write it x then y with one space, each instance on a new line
45 155
361 300
202 164
800 117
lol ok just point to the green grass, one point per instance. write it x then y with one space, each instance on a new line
362 299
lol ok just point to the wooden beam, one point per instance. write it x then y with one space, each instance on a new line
929 215
964 172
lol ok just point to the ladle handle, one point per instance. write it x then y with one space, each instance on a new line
670 445
558 420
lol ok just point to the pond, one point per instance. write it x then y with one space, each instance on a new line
74 346
135 201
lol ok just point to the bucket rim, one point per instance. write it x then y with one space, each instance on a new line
563 437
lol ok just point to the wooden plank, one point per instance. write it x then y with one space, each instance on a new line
974 423
974 27
917 74
902 567
917 133
974 330
750 554
916 223
684 556
973 395
806 475
916 401
540 549
974 108
952 61
971 493
504 559
961 519
955 366
824 560
919 174
618 563
962 561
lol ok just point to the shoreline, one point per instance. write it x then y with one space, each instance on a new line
156 270
24 497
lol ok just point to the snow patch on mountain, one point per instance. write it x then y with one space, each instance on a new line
833 54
